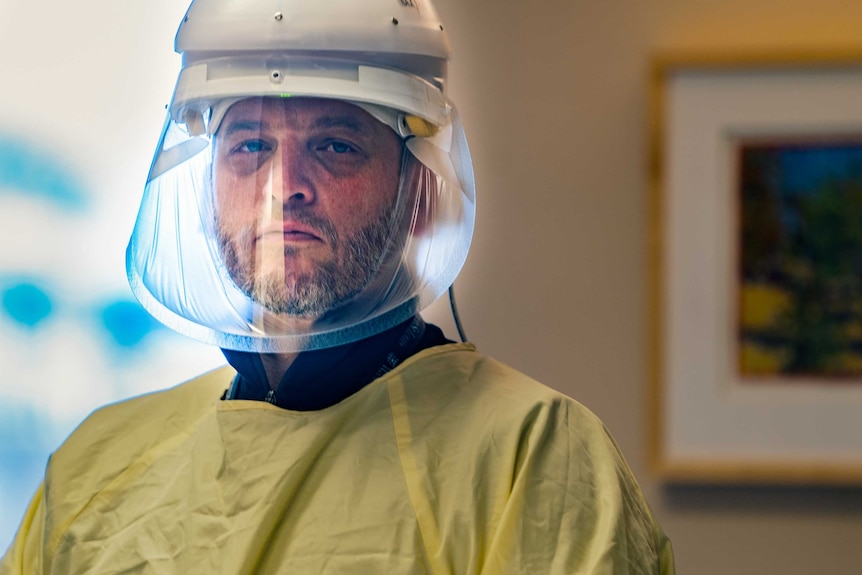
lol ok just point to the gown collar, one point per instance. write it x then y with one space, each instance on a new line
321 378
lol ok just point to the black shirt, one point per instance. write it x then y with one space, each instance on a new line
320 378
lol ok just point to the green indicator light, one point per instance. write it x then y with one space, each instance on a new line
286 96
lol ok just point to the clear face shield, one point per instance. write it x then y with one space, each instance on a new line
283 221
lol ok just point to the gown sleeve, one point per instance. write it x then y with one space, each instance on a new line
576 508
24 556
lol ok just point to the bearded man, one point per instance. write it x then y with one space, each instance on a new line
311 193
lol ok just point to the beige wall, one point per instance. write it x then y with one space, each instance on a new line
554 98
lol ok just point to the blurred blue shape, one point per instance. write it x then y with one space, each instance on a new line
24 168
27 304
127 322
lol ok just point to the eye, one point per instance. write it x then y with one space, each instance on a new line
245 155
253 147
338 154
337 147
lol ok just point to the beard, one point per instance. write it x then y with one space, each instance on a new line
308 295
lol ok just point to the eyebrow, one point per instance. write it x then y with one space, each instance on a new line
340 122
324 122
243 125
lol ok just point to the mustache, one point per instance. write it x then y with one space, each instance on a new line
247 233
320 224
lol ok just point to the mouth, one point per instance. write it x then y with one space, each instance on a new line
292 233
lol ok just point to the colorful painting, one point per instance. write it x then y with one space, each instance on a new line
800 258
756 268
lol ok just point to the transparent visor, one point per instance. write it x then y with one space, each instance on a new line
283 224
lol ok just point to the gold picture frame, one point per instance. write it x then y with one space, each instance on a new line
710 421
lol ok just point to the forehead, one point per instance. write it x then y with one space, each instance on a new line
299 113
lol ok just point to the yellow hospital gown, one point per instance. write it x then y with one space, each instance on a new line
450 464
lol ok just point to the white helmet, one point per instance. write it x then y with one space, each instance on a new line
203 257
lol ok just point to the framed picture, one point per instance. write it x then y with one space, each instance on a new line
756 265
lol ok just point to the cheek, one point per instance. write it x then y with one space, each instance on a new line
235 201
362 202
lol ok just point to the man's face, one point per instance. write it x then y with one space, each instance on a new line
305 191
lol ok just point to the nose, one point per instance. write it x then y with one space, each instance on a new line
290 184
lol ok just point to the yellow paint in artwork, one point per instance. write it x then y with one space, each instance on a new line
846 363
762 304
854 330
757 359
